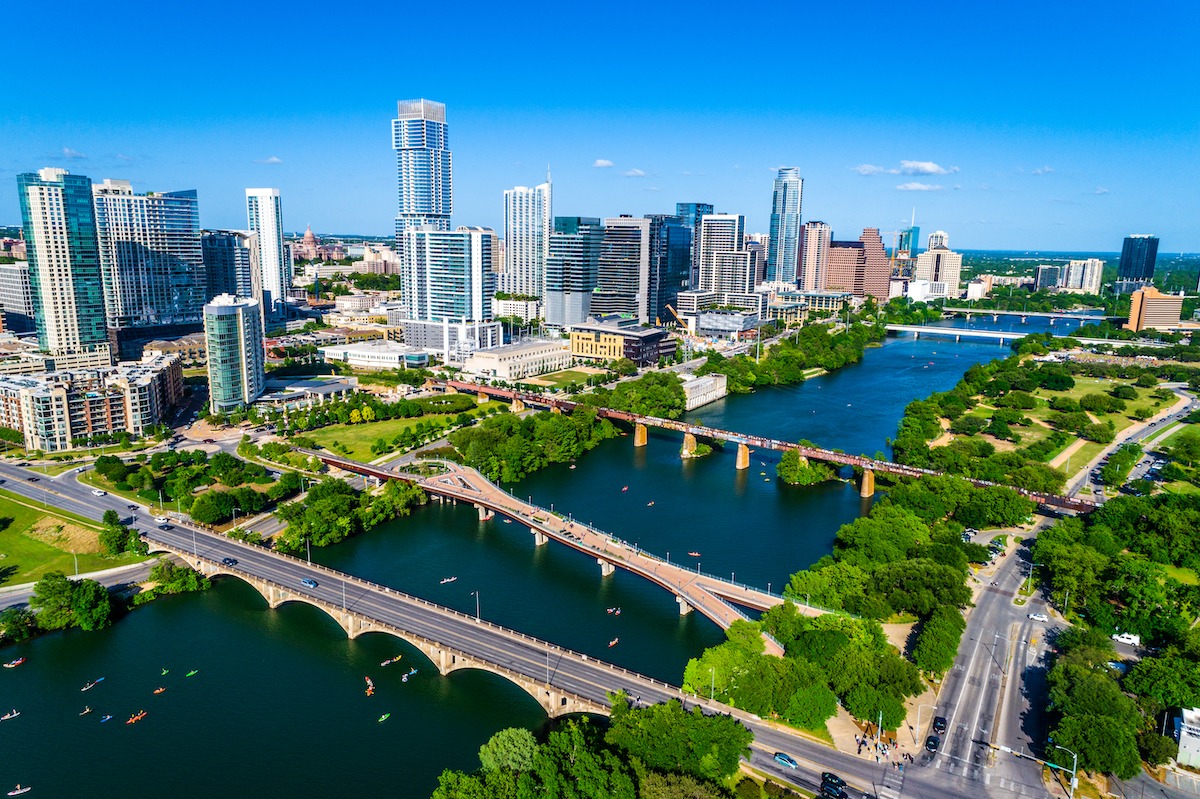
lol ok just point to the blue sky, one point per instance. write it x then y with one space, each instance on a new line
1022 125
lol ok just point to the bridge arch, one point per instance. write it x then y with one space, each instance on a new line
444 659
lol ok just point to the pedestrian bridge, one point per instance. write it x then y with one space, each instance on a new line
1003 336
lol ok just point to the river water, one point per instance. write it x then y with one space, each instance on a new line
277 705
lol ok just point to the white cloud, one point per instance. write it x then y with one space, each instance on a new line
634 173
1100 190
123 157
867 169
957 186
69 153
925 168
1043 170
274 159
602 163
914 186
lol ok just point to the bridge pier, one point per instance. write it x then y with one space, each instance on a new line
606 568
485 513
639 434
517 406
689 446
539 538
684 607
743 457
867 487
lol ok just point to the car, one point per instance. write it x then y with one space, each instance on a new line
829 778
161 520
932 743
308 582
132 507
96 492
32 479
786 760
228 561
939 725
1039 617
208 441
834 792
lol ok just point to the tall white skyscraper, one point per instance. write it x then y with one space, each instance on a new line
939 238
1083 275
939 264
449 275
783 253
719 233
150 256
528 223
264 209
814 256
64 267
423 167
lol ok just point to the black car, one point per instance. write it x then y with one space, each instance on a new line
829 778
932 743
939 725
32 479
228 561
834 792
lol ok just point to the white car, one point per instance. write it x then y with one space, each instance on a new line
1039 617
98 493
161 520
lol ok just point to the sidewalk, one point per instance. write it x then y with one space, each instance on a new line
116 571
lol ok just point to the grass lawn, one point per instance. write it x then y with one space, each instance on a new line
1181 487
91 478
563 379
359 437
1156 441
1185 576
35 541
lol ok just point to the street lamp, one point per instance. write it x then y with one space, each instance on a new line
712 682
476 595
1029 576
1074 768
919 709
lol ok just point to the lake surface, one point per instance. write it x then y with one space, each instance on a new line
278 705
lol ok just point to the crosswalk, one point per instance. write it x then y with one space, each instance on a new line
892 785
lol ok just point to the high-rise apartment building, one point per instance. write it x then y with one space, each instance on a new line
670 264
939 238
1138 256
623 269
528 223
64 267
783 253
1083 276
449 275
1047 276
233 335
940 265
423 167
691 214
814 256
16 298
718 233
910 241
151 264
860 267
264 210
231 263
572 265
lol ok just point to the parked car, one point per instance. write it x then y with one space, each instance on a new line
785 760
932 743
1039 617
939 725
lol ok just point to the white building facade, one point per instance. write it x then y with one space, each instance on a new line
264 210
528 222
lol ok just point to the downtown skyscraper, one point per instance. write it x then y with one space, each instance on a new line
571 269
264 211
151 263
691 214
528 223
623 269
423 167
1138 256
783 249
59 222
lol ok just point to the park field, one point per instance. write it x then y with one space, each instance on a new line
36 540
358 438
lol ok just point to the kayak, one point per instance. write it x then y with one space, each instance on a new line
105 718
12 664
11 715
384 717
159 690
191 673
165 672
19 790
86 710
92 684
390 661
135 718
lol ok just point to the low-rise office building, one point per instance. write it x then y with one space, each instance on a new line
1150 308
611 339
375 355
698 391
521 360
452 341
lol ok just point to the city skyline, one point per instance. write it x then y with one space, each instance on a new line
1040 149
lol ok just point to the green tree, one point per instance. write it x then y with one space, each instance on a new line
111 518
668 738
52 600
90 605
17 624
511 749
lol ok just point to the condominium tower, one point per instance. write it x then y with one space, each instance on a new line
151 264
233 335
231 263
814 256
623 269
64 267
860 267
423 167
670 264
264 210
783 248
720 233
1138 255
691 214
528 222
449 275
16 298
571 269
